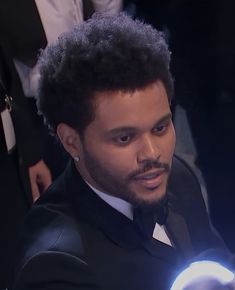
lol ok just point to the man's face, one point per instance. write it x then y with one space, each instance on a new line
127 149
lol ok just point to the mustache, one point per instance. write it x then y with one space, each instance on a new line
149 164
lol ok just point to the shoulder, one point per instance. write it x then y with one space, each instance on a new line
52 270
185 195
186 198
181 171
51 252
51 227
184 185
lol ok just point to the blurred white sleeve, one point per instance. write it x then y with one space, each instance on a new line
109 6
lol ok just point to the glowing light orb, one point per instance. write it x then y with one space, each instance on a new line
201 270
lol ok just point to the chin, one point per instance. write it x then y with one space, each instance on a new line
151 197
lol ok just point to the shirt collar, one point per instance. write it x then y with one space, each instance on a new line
117 203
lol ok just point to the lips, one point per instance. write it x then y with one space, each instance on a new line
151 179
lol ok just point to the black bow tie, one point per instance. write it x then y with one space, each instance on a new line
145 219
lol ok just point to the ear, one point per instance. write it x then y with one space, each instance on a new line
69 138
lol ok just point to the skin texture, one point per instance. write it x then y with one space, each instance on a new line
126 151
40 178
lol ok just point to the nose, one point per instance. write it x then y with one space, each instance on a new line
148 150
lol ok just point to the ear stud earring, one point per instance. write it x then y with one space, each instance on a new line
76 158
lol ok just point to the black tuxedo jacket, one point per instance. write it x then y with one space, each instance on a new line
21 25
28 143
15 189
74 240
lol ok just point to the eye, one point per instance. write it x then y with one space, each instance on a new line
160 129
123 140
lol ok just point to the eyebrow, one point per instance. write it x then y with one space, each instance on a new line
164 118
130 129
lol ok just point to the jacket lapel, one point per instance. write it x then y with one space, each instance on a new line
92 210
178 231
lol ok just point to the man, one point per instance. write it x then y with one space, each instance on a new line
111 221
23 172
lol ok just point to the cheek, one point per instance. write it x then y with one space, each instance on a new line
169 146
117 160
173 139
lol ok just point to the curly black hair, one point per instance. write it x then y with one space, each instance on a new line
105 53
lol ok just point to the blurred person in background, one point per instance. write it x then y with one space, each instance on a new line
29 26
23 173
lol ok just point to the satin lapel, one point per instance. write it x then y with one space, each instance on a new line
88 207
178 230
91 209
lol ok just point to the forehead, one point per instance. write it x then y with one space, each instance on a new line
131 109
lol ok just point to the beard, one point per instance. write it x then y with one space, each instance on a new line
115 185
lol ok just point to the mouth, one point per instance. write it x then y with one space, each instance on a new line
151 180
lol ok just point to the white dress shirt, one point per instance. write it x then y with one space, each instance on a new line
59 16
124 207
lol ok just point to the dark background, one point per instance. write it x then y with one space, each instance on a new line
201 36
